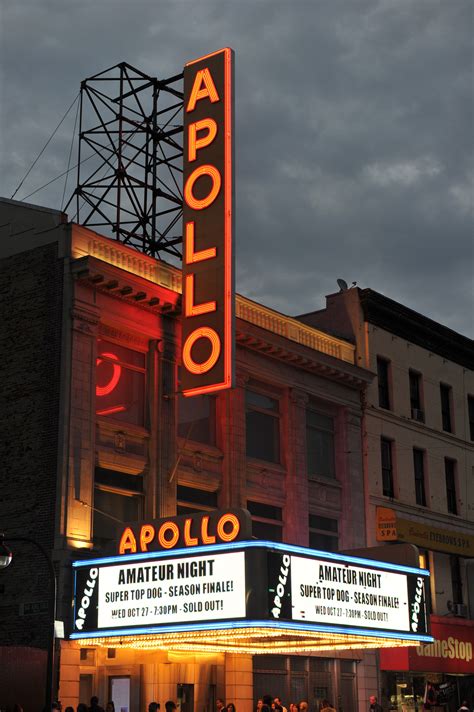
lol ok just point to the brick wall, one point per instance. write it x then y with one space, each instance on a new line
30 343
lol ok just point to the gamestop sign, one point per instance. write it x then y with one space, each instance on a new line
208 217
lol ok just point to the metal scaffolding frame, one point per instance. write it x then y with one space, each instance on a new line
130 160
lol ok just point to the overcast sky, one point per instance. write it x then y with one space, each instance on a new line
354 125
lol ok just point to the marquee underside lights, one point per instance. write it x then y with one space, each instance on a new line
254 639
208 218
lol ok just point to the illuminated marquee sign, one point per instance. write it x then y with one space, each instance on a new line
208 216
200 528
321 591
251 584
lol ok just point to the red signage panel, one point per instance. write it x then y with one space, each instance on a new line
451 651
208 225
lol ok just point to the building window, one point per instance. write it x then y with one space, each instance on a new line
197 419
267 521
417 412
445 393
118 498
190 499
262 426
120 383
419 469
450 474
383 382
456 581
387 467
470 406
320 444
323 533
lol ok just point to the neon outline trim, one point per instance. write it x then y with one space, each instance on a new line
236 527
205 170
191 255
191 309
204 332
202 76
256 544
228 217
111 410
195 143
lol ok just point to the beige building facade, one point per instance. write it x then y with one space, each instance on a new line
418 442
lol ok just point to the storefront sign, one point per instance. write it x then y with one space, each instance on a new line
253 583
208 217
452 650
200 528
391 527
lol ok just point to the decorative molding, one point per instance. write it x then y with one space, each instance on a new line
298 397
293 329
124 337
241 380
87 242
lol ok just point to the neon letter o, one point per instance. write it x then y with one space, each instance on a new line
109 387
205 332
168 543
228 518
214 175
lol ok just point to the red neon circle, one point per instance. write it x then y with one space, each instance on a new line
117 372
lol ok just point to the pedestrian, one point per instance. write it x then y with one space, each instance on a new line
68 709
220 704
230 707
464 707
95 707
153 707
82 707
326 706
259 704
430 697
374 705
267 700
170 706
293 707
303 706
110 707
277 701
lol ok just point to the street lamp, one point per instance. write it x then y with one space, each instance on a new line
5 560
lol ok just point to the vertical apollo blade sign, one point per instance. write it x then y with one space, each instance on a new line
208 225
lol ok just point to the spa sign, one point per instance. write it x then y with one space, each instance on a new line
208 225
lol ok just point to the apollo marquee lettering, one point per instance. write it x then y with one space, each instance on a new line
185 531
208 271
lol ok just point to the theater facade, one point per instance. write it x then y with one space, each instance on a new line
195 539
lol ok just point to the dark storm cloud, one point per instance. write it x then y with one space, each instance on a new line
354 128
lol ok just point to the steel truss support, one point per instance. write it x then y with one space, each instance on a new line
130 161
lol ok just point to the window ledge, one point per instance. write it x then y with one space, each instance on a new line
320 479
256 464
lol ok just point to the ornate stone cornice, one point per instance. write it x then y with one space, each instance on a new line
293 329
292 354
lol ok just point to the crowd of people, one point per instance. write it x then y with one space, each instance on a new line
267 703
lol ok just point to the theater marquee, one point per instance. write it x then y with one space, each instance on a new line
208 220
248 596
